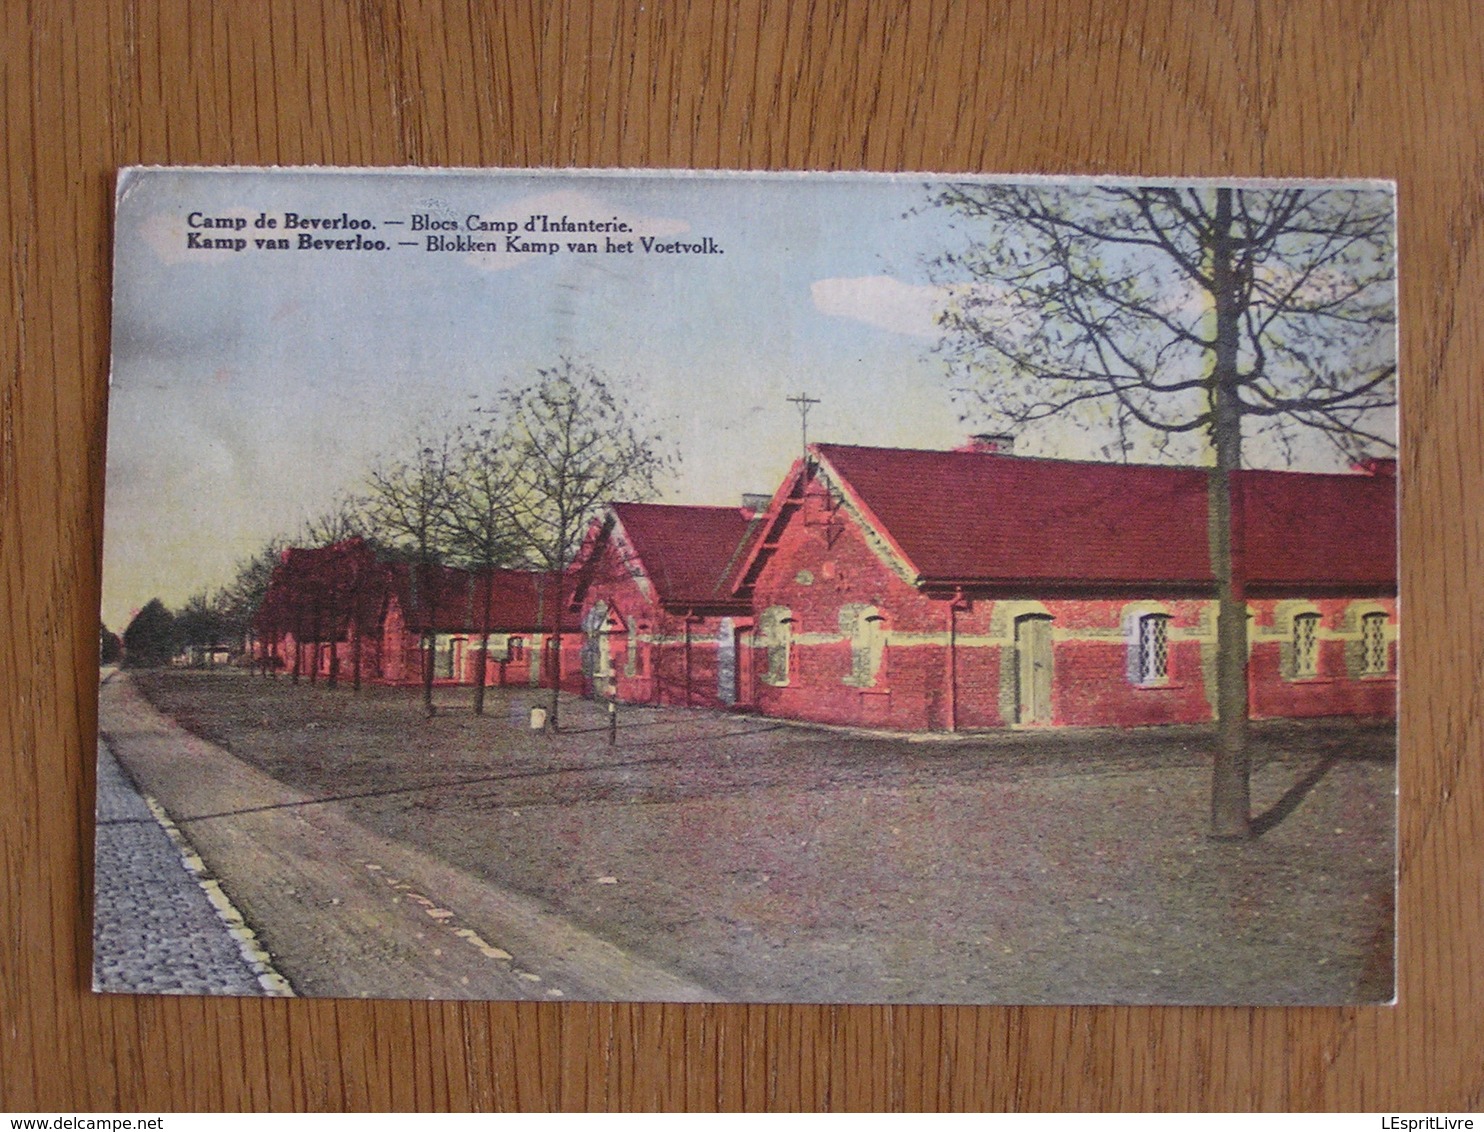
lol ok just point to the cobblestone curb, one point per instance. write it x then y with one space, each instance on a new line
161 922
258 961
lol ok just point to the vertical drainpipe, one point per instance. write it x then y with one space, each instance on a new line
953 604
653 656
1239 573
690 619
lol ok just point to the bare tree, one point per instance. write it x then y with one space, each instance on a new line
480 531
573 447
407 504
347 518
1180 319
348 525
243 596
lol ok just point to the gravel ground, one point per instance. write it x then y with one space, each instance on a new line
788 863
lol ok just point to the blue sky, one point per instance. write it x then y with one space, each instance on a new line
251 389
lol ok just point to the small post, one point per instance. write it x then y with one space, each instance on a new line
612 710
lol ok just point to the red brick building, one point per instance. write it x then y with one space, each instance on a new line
321 615
457 612
945 590
338 612
904 589
661 621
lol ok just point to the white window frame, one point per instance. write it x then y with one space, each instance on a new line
1151 645
1305 646
1375 652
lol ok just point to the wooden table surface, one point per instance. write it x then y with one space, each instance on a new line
1361 88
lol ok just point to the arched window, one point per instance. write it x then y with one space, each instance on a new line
1375 655
633 657
1151 645
596 662
775 634
1305 645
866 629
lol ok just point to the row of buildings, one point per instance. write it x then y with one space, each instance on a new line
902 589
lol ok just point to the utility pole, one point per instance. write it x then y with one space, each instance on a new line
804 403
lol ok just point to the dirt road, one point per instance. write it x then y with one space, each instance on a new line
346 912
752 861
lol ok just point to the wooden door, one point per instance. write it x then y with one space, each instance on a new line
1033 683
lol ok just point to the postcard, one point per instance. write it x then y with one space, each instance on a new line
822 588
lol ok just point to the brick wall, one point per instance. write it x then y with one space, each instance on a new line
826 571
644 652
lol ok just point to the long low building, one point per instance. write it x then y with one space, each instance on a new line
341 613
930 590
904 589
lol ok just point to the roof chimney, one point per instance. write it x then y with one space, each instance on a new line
990 443
754 502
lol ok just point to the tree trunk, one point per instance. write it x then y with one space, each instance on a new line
1231 772
356 591
355 650
429 638
687 660
333 679
554 595
481 659
481 671
1230 801
556 654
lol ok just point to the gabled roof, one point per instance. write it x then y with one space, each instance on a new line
315 591
692 555
444 599
959 516
990 518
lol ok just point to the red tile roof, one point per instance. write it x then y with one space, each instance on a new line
1302 528
445 599
691 554
315 591
982 517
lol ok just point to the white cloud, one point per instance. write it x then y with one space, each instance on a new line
913 309
885 302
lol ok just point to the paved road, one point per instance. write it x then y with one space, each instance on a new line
155 928
346 912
